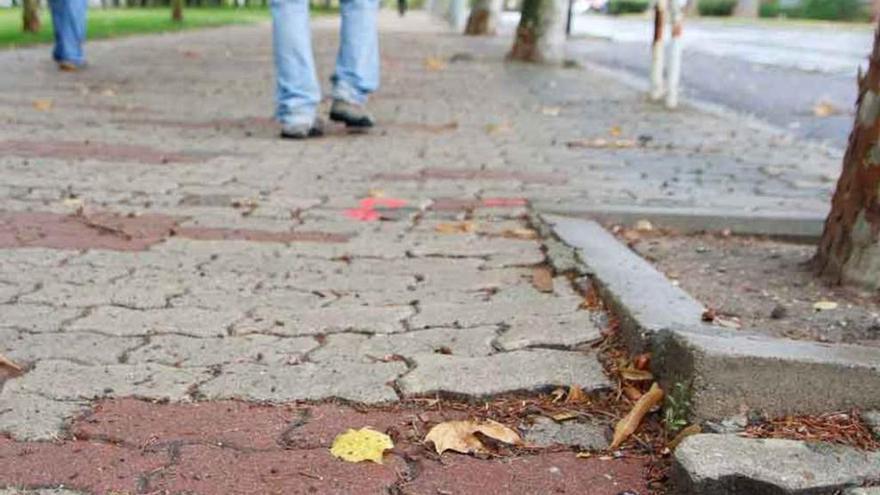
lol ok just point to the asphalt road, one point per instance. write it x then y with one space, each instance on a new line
793 75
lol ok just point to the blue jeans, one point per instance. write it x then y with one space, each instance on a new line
357 63
69 21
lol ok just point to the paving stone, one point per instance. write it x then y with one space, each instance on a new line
29 417
457 342
85 348
527 370
872 418
131 322
863 491
183 351
307 381
210 469
492 312
81 466
332 319
35 317
563 331
545 432
732 465
64 380
8 292
554 473
69 295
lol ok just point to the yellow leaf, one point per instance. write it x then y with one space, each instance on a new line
361 445
628 425
602 143
690 430
576 395
824 305
564 416
460 436
499 128
825 109
434 63
520 233
43 105
615 131
635 375
584 455
551 111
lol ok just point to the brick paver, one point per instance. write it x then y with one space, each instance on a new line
158 241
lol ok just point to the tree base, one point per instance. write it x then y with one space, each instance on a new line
525 47
478 23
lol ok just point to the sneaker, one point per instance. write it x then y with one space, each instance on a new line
67 66
350 114
303 131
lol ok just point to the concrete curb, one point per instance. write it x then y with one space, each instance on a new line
725 371
794 225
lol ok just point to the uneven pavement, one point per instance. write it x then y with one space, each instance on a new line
163 253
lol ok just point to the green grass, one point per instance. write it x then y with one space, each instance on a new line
108 23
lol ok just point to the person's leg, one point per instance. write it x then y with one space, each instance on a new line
69 23
297 92
357 64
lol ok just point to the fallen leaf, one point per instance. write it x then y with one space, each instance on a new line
576 395
631 392
498 128
460 436
551 111
732 322
361 445
644 226
602 143
690 430
376 193
615 131
5 361
824 305
456 228
108 92
542 279
709 315
520 233
825 109
74 203
584 455
642 361
628 425
636 375
564 416
558 394
434 63
43 105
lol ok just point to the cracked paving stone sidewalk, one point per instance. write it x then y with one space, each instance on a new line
213 281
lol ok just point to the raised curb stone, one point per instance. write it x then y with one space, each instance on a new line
732 465
30 417
517 371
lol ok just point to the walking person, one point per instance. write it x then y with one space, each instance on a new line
69 23
356 74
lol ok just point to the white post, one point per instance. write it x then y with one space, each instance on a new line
675 49
658 50
458 15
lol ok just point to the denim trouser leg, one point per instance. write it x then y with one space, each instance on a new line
357 64
69 22
298 92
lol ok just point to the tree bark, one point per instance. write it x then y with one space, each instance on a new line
849 251
484 18
540 36
31 16
177 10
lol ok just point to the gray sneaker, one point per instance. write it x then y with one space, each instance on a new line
303 131
350 114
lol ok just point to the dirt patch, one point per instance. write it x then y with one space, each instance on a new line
764 285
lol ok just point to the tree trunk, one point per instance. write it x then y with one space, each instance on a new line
31 16
540 36
850 247
177 10
484 17
747 8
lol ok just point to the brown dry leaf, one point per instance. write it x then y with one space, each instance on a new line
564 416
456 228
460 436
376 193
690 430
628 425
43 105
520 233
5 361
434 63
542 279
642 361
602 143
636 375
576 395
615 131
631 392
